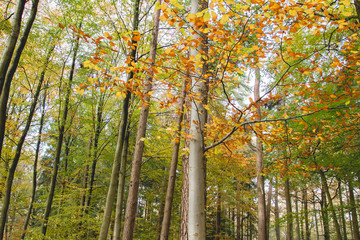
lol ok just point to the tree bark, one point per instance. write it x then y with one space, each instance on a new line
277 215
174 161
268 210
59 142
162 196
218 216
289 213
7 69
260 166
121 136
324 214
11 172
11 42
132 200
297 216
332 209
121 188
355 222
306 212
342 211
34 182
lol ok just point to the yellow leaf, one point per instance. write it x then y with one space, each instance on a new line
347 3
347 103
347 14
293 13
224 19
207 17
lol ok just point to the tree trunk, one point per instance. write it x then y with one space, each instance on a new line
297 216
277 215
60 141
172 174
306 212
121 136
316 222
132 200
324 214
218 216
268 211
355 222
289 213
98 127
162 197
332 209
342 211
7 72
11 42
121 188
260 165
11 172
34 182
185 183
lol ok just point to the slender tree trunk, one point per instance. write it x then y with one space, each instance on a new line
332 209
121 136
8 67
59 142
342 211
297 216
121 189
131 204
172 174
316 222
277 215
196 223
34 182
11 172
260 166
98 127
324 214
306 212
289 213
11 42
268 211
185 183
218 216
162 203
355 223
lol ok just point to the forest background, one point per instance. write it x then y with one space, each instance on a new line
219 119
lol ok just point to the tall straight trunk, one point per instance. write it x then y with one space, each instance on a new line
325 216
268 210
238 216
121 136
173 167
196 223
185 183
11 41
297 216
131 204
84 183
34 179
15 161
277 214
94 154
121 189
316 222
7 66
260 166
342 211
306 213
289 213
59 141
218 216
161 203
355 223
332 209
98 127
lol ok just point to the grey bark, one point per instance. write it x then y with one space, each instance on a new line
289 213
355 222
